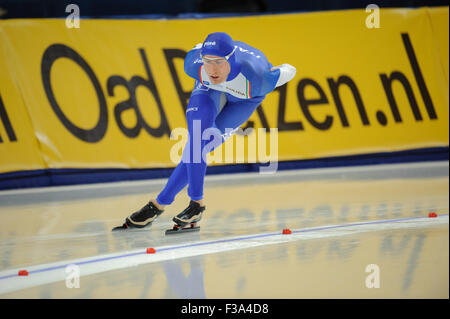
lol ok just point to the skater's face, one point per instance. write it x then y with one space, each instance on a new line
216 67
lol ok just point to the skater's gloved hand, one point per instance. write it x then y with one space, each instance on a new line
287 73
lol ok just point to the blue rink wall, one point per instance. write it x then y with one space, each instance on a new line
59 177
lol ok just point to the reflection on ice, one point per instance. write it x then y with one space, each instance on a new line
77 224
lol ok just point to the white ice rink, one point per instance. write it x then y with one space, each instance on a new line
342 220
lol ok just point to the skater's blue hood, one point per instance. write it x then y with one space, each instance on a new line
221 44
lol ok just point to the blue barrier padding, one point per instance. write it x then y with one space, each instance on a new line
58 177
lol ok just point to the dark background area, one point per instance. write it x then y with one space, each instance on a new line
180 8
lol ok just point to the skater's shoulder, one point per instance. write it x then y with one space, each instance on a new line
252 70
256 73
252 61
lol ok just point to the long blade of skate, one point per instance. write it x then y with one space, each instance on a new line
128 229
120 228
182 230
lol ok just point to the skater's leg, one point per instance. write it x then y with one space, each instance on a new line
233 115
177 181
199 118
179 177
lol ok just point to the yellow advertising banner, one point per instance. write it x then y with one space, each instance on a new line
19 150
439 25
109 93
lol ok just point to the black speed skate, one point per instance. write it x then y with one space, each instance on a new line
142 218
187 220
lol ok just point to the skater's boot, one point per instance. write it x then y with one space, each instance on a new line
143 217
191 215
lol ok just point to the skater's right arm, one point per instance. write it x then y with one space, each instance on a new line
193 62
